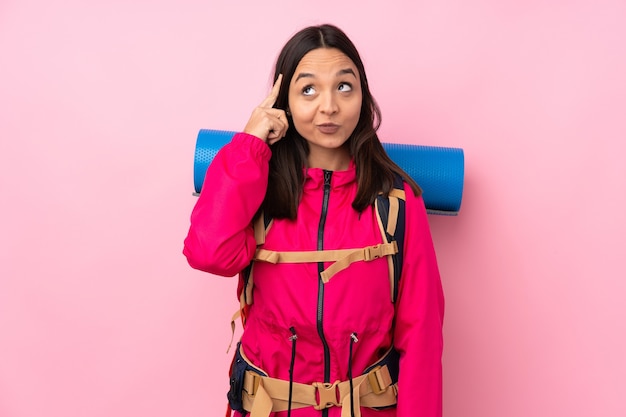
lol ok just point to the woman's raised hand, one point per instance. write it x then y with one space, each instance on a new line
266 122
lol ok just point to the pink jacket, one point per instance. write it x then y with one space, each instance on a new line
356 300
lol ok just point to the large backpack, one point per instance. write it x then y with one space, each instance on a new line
390 213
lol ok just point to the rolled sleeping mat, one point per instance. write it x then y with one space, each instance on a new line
439 171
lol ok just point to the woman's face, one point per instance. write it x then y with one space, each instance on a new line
325 98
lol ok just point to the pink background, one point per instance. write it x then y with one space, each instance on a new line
100 105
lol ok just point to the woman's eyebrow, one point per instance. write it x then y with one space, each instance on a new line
340 72
346 71
304 75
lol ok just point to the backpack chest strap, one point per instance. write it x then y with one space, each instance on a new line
341 258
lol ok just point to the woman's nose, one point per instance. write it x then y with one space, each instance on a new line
328 103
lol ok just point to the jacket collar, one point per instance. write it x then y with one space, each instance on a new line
314 177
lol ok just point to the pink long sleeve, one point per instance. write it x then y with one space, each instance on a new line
221 239
419 319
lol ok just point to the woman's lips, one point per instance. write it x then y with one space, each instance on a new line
328 128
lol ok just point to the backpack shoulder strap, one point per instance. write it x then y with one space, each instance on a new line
261 225
390 212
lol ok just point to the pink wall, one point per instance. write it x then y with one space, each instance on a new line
99 108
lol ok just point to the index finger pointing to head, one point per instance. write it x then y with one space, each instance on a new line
271 99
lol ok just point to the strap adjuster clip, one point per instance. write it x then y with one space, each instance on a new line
375 379
253 385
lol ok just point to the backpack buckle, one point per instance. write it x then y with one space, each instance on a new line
372 252
328 394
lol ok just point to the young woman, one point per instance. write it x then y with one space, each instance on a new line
310 164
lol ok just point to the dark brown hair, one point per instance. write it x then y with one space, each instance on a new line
375 171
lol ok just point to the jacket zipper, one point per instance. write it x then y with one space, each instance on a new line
320 287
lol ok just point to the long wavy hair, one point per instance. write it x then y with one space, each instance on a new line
375 171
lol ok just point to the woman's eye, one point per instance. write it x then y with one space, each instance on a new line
345 87
308 91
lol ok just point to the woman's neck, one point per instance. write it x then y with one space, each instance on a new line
329 159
